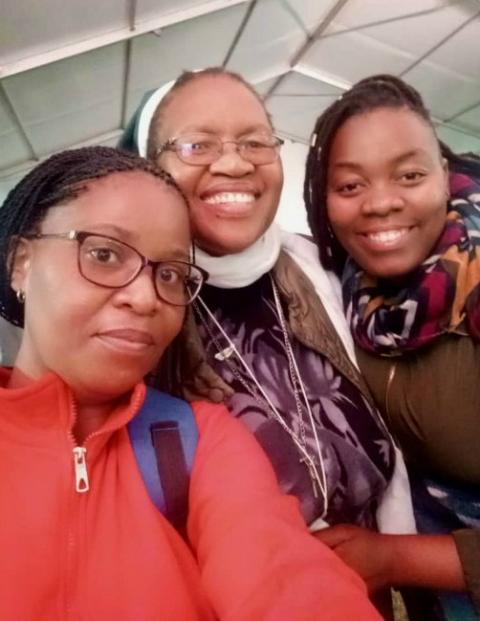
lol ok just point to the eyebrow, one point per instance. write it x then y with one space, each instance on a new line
124 235
180 255
107 228
208 129
399 159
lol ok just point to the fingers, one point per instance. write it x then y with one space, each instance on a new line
334 536
207 385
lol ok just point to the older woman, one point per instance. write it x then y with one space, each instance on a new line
267 336
378 196
97 267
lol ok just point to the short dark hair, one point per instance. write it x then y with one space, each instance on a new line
186 78
378 91
60 178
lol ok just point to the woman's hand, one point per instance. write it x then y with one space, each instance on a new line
367 552
429 561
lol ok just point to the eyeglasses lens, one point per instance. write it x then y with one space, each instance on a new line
201 150
111 263
178 282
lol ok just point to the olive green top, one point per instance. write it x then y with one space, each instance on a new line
431 402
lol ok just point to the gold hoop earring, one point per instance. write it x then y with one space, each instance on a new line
20 296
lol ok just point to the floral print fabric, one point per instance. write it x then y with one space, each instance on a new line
356 450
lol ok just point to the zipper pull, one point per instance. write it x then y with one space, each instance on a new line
81 475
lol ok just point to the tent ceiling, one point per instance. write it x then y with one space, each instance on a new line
72 72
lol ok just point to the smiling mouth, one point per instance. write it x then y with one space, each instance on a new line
241 198
387 238
231 204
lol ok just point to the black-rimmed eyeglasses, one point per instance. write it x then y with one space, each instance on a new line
111 263
202 149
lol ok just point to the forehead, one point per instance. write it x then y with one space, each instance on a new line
383 131
144 207
130 191
220 104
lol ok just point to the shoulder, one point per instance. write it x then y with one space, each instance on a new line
208 414
300 245
325 283
227 451
303 250
216 422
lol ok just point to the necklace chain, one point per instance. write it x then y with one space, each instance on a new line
314 464
299 388
293 371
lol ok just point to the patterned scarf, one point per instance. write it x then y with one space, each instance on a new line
442 295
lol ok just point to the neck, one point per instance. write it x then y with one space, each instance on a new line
90 414
243 268
90 418
18 379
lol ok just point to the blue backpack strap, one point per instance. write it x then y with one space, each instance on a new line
164 438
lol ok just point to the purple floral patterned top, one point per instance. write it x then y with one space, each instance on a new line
356 450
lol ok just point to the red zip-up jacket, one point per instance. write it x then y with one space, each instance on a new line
108 554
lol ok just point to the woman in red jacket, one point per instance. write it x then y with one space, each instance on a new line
79 535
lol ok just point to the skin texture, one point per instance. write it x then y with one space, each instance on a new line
66 314
386 174
225 107
429 561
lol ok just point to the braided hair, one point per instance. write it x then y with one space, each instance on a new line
186 78
378 91
58 179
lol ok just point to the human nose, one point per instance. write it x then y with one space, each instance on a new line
381 200
230 162
140 294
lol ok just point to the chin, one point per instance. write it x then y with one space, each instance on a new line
393 273
222 243
108 389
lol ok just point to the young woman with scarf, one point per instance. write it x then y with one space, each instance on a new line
396 215
267 336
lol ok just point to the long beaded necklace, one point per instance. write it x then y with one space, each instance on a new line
314 463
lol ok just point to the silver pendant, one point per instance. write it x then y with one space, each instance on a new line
225 353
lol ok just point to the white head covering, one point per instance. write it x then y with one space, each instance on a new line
146 116
148 111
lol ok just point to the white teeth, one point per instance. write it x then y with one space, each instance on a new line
230 197
387 236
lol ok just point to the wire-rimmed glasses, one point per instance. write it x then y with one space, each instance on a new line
202 149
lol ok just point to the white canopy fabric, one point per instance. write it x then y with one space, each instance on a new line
73 71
